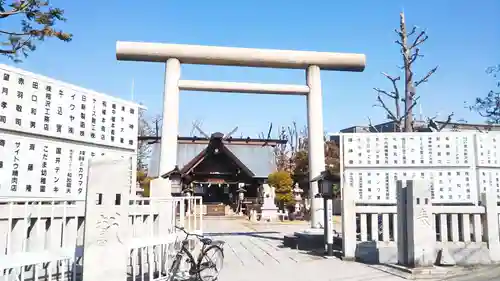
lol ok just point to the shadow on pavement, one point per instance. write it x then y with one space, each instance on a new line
250 234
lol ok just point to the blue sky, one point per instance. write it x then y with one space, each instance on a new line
464 40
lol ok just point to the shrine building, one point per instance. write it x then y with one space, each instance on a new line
217 167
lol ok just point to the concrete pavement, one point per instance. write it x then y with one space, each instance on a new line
254 251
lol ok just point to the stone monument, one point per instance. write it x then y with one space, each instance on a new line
269 211
106 219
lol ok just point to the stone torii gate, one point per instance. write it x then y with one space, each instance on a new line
175 54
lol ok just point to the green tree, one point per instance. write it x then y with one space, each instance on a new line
332 159
282 183
36 21
336 190
144 181
489 106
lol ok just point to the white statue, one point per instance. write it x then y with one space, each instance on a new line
269 211
266 191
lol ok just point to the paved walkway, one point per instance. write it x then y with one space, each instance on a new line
254 252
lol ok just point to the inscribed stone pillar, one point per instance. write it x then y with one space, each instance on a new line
402 245
415 224
491 233
106 219
160 188
348 222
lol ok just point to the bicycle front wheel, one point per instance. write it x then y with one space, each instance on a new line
210 263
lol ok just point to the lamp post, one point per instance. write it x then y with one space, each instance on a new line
325 187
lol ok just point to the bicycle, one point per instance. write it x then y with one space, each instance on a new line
204 261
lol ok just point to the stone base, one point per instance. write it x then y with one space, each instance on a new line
308 239
387 253
290 241
423 273
269 214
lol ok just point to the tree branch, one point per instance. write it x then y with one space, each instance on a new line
410 108
414 56
380 91
394 84
421 38
16 46
448 120
370 125
413 30
486 129
382 104
14 33
426 77
22 8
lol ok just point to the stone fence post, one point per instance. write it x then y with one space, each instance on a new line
491 227
416 234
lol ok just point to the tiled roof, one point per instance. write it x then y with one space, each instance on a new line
258 159
187 151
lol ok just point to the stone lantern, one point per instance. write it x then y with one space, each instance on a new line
241 196
175 178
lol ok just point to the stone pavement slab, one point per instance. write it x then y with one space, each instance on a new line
254 252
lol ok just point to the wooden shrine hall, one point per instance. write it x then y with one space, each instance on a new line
219 169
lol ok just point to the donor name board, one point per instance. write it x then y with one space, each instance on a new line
49 129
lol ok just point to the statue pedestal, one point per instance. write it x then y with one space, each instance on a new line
269 210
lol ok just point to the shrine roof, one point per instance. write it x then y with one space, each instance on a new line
187 152
201 140
258 159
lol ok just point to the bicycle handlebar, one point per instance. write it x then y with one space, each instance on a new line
187 233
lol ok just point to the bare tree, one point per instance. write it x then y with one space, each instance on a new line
404 102
292 156
147 127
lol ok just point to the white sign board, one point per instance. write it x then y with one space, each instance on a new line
49 129
459 165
